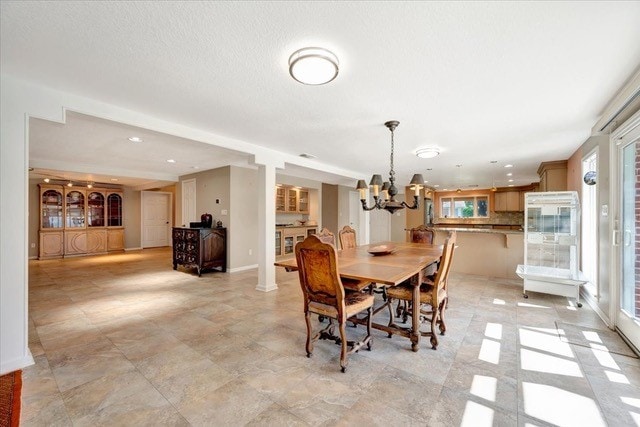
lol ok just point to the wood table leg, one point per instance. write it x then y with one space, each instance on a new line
415 314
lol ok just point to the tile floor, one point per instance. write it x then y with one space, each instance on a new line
125 340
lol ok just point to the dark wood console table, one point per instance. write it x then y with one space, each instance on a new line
202 248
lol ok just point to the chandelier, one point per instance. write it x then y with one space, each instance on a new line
388 189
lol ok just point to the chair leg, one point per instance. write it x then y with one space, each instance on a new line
441 310
434 321
309 347
343 347
392 319
369 322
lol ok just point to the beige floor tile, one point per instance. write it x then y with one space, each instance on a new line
126 340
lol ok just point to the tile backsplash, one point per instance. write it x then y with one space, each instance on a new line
501 218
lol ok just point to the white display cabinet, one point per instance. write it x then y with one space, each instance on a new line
552 244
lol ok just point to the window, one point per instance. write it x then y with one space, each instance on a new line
464 207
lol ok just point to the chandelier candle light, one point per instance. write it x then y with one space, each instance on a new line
388 189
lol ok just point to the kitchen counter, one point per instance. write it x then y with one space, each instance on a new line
479 230
485 251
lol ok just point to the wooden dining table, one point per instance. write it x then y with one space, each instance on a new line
399 263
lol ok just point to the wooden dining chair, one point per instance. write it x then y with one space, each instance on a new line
434 295
347 237
324 294
422 234
419 234
327 236
354 285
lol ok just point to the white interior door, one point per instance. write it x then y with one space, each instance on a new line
156 219
380 222
628 256
189 202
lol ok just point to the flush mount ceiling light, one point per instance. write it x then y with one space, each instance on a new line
428 153
171 161
135 139
313 66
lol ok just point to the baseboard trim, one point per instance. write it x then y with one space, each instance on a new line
263 288
132 249
15 364
243 268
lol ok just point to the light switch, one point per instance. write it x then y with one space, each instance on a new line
224 212
605 210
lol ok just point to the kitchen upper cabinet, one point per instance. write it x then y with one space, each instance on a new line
281 199
292 200
553 176
507 201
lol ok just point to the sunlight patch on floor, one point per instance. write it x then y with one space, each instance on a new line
545 342
560 407
604 358
476 415
484 387
490 351
592 336
498 301
617 377
631 401
493 330
539 362
526 304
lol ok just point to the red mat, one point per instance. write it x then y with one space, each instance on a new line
10 390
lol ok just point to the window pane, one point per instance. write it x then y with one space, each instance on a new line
483 206
463 207
446 208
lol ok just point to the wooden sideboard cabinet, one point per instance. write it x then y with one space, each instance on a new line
202 248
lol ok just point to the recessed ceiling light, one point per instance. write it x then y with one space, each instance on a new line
69 184
445 189
511 185
47 180
307 156
510 180
313 65
135 139
458 166
493 161
195 167
509 174
429 169
508 166
171 161
428 153
114 179
437 185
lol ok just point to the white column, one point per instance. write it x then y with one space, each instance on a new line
266 228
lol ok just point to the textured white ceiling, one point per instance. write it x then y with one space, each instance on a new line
516 82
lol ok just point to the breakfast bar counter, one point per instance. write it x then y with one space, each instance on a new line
487 252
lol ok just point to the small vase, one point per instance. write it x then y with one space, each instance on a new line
206 220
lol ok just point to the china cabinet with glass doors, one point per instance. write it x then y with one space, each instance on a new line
78 221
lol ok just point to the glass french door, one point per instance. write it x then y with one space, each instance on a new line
628 239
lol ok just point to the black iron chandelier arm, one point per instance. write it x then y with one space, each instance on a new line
416 203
